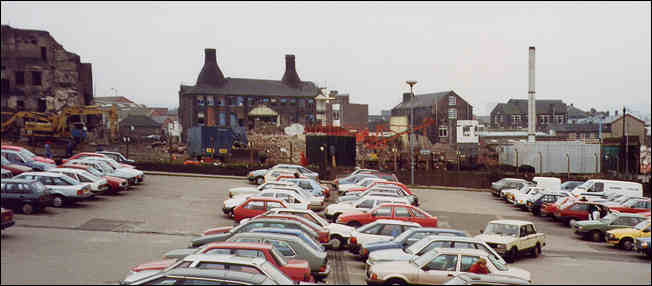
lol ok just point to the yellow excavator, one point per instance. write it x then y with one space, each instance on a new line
59 125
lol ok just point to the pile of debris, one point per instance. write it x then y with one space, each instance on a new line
279 148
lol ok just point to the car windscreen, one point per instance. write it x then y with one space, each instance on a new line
69 180
499 264
39 187
94 172
501 229
26 153
642 225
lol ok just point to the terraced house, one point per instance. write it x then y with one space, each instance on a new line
513 114
216 100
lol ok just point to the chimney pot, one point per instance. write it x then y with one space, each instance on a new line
210 74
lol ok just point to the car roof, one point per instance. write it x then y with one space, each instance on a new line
238 245
396 205
467 251
74 170
383 198
270 235
455 238
229 258
264 199
26 181
393 221
627 214
48 174
254 279
11 147
437 229
512 221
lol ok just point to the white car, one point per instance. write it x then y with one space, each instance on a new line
521 197
361 205
380 230
361 184
99 185
508 194
383 190
338 233
63 188
292 199
254 190
297 169
140 176
106 169
513 237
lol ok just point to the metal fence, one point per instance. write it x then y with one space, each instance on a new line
553 156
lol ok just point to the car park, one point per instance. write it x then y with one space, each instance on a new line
22 158
382 190
98 185
5 174
255 206
27 196
65 190
394 211
13 169
497 186
292 232
6 218
468 278
353 180
254 190
333 211
436 267
309 185
296 269
257 176
536 203
228 264
570 185
596 229
510 238
292 199
623 238
291 247
380 230
362 184
297 169
224 233
427 244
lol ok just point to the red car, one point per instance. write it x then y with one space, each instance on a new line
323 233
255 206
578 210
15 169
115 184
632 206
89 154
23 150
402 212
296 269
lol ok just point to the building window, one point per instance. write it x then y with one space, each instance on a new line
200 118
592 136
222 118
240 101
452 113
265 99
233 120
544 119
200 101
572 135
559 119
220 101
284 101
293 101
443 131
36 78
44 53
311 101
336 115
310 118
452 100
20 78
274 101
210 101
229 100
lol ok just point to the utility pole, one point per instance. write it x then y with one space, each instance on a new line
626 141
410 133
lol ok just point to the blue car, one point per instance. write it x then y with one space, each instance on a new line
407 238
294 232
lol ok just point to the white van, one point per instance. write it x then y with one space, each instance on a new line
609 187
549 184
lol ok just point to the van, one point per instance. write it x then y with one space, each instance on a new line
609 188
549 184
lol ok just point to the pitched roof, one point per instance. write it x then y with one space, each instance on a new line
542 105
255 87
423 100
140 121
574 112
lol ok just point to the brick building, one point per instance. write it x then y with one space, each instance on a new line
216 100
514 114
342 113
444 107
38 74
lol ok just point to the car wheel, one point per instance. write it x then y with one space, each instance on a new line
596 236
511 257
536 251
395 281
354 224
27 208
627 243
58 201
260 180
337 242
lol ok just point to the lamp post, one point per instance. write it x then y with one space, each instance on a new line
540 163
568 170
411 83
596 162
395 165
516 151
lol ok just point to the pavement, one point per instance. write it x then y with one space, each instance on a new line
98 241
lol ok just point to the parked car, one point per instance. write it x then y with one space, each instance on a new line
380 230
291 247
642 245
140 176
497 186
578 210
256 205
510 238
609 187
322 232
254 190
338 234
13 169
292 199
293 232
378 184
381 189
27 154
624 237
309 185
363 183
641 205
106 170
409 237
297 270
468 278
6 174
333 211
536 203
28 196
118 157
7 218
596 229
224 233
257 176
436 267
65 190
570 185
115 184
23 158
98 185
292 169
96 155
394 211
224 268
427 244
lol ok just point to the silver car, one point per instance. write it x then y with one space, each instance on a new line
63 188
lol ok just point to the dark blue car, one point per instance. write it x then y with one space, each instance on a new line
407 238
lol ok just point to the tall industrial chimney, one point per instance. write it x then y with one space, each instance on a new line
531 101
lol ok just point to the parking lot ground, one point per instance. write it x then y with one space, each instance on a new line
96 242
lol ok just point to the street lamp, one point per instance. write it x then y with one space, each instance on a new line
568 171
395 165
540 163
596 162
516 151
411 83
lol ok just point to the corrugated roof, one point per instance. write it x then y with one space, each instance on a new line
255 87
423 100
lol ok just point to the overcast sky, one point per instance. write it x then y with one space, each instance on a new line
591 55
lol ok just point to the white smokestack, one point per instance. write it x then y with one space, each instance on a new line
531 101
